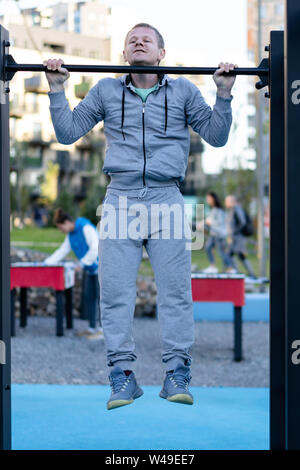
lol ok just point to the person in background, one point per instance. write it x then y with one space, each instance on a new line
215 223
235 221
40 215
82 237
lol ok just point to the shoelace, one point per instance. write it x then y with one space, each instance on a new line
180 380
119 384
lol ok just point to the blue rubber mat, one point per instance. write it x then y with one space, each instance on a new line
75 417
256 309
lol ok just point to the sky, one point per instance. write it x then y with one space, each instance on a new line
196 33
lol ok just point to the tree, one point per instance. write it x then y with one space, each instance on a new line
94 197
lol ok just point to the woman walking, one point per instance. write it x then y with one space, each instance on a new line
215 224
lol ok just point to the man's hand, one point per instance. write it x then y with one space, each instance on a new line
56 80
224 84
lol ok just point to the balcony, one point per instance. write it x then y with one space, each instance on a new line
196 146
35 85
91 142
15 110
84 143
67 165
37 140
25 162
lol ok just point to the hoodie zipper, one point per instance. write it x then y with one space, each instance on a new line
144 190
144 146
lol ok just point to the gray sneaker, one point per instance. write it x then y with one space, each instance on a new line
176 384
124 388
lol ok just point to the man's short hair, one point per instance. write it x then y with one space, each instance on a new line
160 39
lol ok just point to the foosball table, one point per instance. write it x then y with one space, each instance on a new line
223 288
60 277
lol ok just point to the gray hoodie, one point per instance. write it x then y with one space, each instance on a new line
217 227
146 143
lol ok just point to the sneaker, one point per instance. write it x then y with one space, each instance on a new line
85 332
96 335
91 333
231 271
176 384
124 388
210 270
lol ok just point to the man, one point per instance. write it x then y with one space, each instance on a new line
146 118
235 221
81 237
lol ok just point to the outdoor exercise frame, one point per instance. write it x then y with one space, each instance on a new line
281 72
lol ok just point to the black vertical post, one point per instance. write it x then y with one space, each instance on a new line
12 312
5 376
292 220
277 285
23 307
238 352
83 307
59 312
69 307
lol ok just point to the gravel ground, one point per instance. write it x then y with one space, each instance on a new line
38 356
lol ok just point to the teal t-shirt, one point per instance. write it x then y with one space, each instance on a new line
144 92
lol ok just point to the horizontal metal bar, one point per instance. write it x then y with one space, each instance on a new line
138 69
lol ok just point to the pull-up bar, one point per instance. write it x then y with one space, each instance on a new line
262 71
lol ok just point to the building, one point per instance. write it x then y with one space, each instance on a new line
65 30
35 36
272 18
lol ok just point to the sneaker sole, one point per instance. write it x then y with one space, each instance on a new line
95 338
181 398
118 403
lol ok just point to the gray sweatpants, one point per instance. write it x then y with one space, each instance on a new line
120 255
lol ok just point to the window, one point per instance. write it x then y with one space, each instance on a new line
279 10
37 130
77 52
264 11
251 54
77 27
251 98
251 121
94 55
54 47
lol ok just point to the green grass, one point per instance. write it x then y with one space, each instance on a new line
35 234
52 235
200 259
39 235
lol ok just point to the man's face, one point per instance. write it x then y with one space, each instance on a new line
141 47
